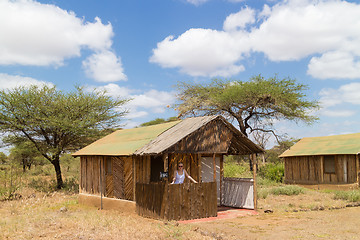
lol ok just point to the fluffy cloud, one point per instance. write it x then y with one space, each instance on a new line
200 52
197 2
331 98
104 67
13 81
142 102
326 31
239 20
39 34
348 93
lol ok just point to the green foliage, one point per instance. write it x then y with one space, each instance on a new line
3 158
272 155
253 104
25 153
158 121
288 190
10 181
272 171
352 196
233 168
57 122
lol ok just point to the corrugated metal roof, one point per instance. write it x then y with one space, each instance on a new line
330 145
125 141
175 134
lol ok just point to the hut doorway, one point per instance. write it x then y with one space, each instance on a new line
157 166
207 172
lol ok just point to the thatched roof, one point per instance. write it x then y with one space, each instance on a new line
330 145
209 134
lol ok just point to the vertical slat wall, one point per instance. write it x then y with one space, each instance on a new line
90 174
177 201
307 169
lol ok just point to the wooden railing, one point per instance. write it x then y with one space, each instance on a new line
176 201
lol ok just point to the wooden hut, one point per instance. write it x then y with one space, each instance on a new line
137 165
331 159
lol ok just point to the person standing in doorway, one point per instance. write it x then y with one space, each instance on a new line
180 174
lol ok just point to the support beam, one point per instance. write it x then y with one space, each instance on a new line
214 166
253 156
357 169
199 166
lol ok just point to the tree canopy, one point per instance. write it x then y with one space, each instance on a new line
255 104
158 121
55 121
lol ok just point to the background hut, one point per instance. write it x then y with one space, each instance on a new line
332 159
116 165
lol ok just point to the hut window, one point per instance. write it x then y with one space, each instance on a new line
108 166
329 164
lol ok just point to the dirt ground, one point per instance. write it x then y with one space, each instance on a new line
59 216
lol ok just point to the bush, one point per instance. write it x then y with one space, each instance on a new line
272 171
288 190
352 196
238 170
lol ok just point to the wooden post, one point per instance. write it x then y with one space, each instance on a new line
134 177
357 169
253 156
101 188
321 169
199 166
214 166
221 178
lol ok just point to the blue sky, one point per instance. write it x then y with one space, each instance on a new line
141 49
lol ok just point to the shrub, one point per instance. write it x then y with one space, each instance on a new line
272 171
288 190
234 169
352 196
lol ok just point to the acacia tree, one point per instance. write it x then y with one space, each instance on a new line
25 153
55 121
254 104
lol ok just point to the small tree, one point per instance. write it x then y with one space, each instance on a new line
57 122
255 105
24 153
3 158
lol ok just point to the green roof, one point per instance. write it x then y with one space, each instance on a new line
330 145
125 141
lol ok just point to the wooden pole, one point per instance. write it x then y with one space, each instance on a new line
134 177
221 178
321 169
253 156
214 166
199 166
101 190
357 168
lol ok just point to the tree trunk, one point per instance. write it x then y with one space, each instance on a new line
56 163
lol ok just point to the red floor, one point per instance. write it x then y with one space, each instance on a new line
224 213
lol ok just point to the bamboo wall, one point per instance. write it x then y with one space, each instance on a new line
118 183
176 201
310 170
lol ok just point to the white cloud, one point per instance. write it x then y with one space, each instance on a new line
335 65
197 2
239 20
348 93
142 103
337 113
327 31
104 67
200 52
13 81
39 34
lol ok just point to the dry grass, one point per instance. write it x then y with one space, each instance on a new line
40 217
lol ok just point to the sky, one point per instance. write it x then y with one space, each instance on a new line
141 49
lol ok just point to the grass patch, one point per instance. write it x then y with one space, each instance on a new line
352 196
288 190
